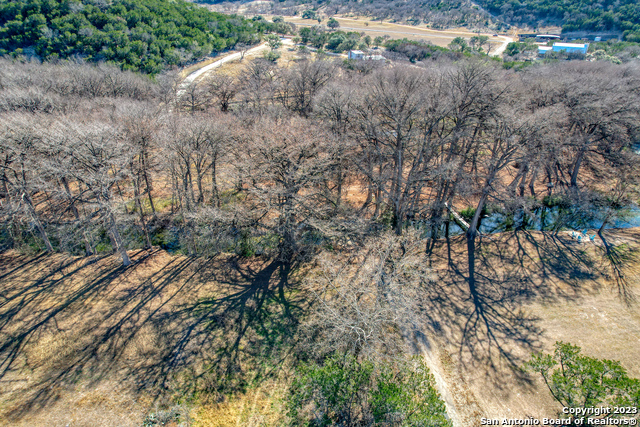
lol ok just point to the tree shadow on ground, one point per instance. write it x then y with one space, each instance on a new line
161 326
616 256
241 334
483 310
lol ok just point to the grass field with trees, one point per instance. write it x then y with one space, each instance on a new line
279 227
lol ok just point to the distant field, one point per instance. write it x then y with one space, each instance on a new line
394 31
397 31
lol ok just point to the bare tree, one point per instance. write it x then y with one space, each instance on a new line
335 106
366 304
257 83
20 142
97 158
194 97
242 48
284 164
389 134
140 125
224 88
301 83
600 115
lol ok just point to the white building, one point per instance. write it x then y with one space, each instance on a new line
571 47
358 54
564 47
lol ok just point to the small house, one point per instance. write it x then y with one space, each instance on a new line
356 54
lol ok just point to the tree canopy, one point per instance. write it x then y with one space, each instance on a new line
139 35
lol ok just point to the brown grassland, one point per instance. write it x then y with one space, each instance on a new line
86 342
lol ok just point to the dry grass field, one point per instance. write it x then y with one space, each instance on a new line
399 31
532 289
91 344
88 343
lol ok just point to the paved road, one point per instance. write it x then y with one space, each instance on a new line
231 57
201 71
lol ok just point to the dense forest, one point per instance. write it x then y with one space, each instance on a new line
145 35
575 15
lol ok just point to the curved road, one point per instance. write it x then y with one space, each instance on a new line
231 57
201 71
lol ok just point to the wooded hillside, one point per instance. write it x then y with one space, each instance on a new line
572 15
145 35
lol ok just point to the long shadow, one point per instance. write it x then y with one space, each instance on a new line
17 265
48 301
209 320
243 334
481 296
25 305
615 258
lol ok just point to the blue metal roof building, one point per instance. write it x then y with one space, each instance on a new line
571 47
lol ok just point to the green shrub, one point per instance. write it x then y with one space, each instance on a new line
343 391
272 55
578 381
468 213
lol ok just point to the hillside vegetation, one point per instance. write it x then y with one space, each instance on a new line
572 15
145 35
435 13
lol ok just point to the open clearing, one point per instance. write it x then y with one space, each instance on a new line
532 290
90 343
400 31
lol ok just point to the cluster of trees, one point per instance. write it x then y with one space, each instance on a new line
341 41
282 160
414 50
346 392
615 51
144 35
589 15
576 380
336 41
